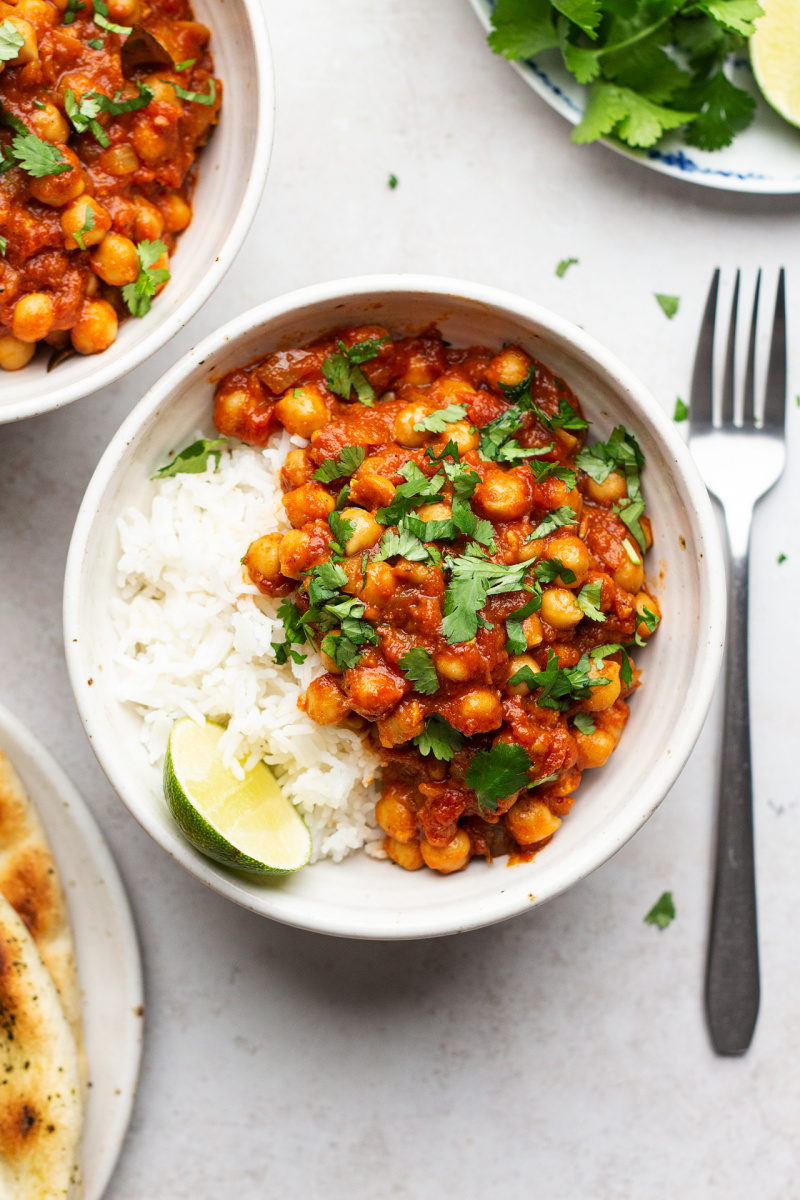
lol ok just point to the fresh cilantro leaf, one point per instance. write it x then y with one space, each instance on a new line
781 557
650 619
294 632
117 106
565 418
138 295
583 62
722 110
564 515
737 15
584 722
548 569
342 530
438 739
403 543
11 41
83 115
521 28
345 465
194 459
450 451
565 265
365 351
663 911
87 227
184 66
588 600
343 374
560 686
681 410
626 669
411 494
669 304
553 470
345 653
3 246
71 11
417 666
96 43
586 14
633 557
515 391
196 97
101 18
629 515
497 443
498 773
517 643
631 117
392 182
473 579
36 157
325 581
437 422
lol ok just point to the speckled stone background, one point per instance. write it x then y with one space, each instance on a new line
563 1055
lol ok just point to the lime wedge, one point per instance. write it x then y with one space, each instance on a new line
775 56
247 824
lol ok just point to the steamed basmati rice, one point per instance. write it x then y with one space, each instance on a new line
194 640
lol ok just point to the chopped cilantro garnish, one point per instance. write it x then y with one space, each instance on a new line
392 181
650 619
668 303
497 442
584 722
588 600
564 266
626 670
781 557
517 643
417 666
343 373
564 418
138 295
662 912
553 470
681 410
4 247
439 739
28 151
96 43
564 515
403 543
345 465
117 106
342 530
324 582
409 495
101 18
184 66
194 459
473 578
11 41
631 553
437 422
196 97
82 115
87 227
498 773
561 686
548 569
71 11
294 631
515 391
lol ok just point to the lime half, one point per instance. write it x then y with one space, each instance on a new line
247 824
775 56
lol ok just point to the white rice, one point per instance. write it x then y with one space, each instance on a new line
194 640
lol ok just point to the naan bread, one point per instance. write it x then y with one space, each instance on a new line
29 881
40 1084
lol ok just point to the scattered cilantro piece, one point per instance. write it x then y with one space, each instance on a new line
437 422
620 453
588 600
630 515
626 670
584 722
548 569
663 911
564 515
82 116
781 557
3 246
416 490
722 109
345 465
498 773
184 66
343 373
194 459
36 157
633 557
294 632
565 418
96 43
11 41
620 111
517 643
138 295
553 470
522 28
342 530
668 303
650 619
87 227
439 739
417 666
71 11
117 106
101 18
561 686
392 182
196 97
473 578
403 543
681 410
564 266
515 391
325 580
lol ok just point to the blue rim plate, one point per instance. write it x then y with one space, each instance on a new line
765 158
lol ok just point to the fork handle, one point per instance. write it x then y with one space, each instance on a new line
732 983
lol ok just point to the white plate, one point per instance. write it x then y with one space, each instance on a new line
109 967
765 158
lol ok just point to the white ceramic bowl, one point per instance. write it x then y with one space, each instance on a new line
231 177
361 897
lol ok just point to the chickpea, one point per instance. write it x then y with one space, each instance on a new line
298 469
74 218
29 50
380 585
124 12
49 125
434 512
530 821
603 697
465 436
33 317
403 430
532 628
644 601
302 411
373 491
151 144
575 502
325 702
611 489
479 711
451 391
296 553
509 367
119 160
115 260
308 503
449 858
527 551
176 212
516 664
630 576
374 692
560 609
38 12
263 558
96 327
406 722
595 748
162 90
458 666
366 533
504 495
396 819
149 223
56 190
15 354
574 556
405 854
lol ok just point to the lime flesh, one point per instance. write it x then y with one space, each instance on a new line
247 824
775 56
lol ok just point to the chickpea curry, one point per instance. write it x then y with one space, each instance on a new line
471 573
104 104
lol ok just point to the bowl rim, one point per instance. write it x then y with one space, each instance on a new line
164 331
505 903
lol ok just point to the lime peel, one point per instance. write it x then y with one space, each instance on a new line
775 56
246 824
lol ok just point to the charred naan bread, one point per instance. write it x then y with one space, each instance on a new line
40 1084
29 881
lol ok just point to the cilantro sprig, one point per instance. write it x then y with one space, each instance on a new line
439 739
417 666
343 373
194 459
28 151
560 686
138 295
11 41
498 773
437 422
